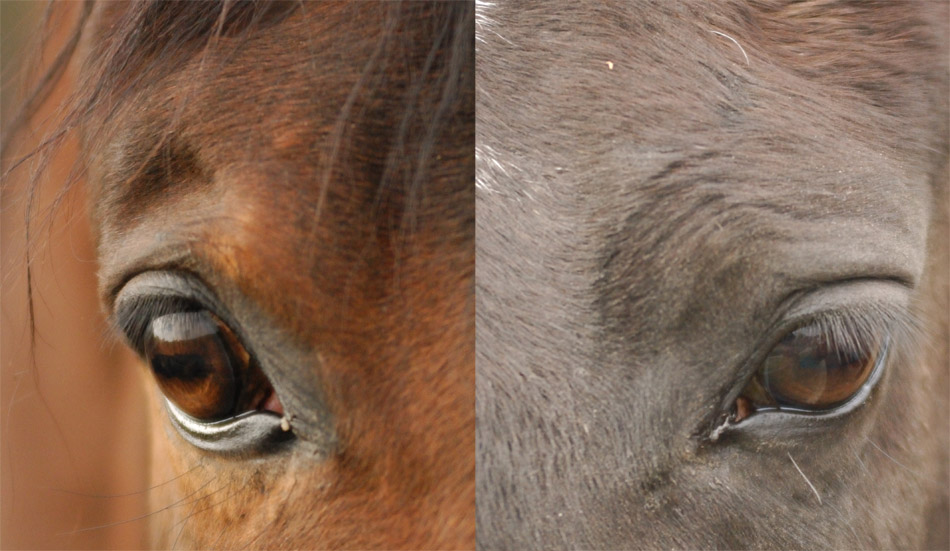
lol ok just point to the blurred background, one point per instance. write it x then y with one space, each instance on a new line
73 450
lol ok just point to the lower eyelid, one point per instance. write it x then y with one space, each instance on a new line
785 423
251 432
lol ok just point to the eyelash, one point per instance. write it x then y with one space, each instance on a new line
853 331
133 320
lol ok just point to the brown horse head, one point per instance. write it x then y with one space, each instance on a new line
283 209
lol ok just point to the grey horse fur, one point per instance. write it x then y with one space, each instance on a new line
662 189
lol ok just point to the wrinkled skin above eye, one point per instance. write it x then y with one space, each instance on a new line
809 371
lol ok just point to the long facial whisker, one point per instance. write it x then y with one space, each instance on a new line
810 485
179 503
901 465
183 523
194 511
129 494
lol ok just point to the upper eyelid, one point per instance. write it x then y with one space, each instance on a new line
855 312
134 316
862 308
163 282
151 293
853 328
865 291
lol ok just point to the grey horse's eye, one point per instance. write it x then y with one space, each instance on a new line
810 371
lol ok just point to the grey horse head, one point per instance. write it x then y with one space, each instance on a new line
673 197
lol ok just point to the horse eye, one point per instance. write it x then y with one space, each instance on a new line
808 371
201 366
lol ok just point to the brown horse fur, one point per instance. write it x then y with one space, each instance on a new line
660 186
311 164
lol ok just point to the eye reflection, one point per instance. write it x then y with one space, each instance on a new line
809 371
201 366
190 358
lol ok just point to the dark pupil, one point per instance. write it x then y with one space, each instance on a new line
806 371
191 364
189 368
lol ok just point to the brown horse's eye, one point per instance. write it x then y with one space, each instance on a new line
808 371
202 367
216 392
194 358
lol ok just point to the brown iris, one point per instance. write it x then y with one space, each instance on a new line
201 366
807 371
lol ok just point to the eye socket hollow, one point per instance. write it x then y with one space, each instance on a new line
809 371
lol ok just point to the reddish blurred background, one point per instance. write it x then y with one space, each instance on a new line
73 446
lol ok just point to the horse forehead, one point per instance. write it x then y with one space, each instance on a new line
631 217
663 134
247 118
